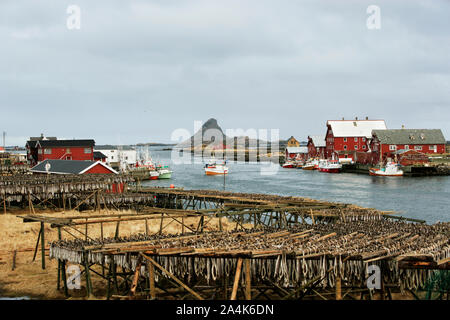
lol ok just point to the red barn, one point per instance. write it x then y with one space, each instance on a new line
316 146
344 138
427 141
40 149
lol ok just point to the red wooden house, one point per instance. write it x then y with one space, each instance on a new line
426 141
345 138
40 149
316 146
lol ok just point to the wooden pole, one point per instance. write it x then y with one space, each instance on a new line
225 287
64 278
58 285
117 229
338 288
88 276
42 246
248 287
135 281
37 244
64 202
151 273
236 279
195 294
161 223
14 260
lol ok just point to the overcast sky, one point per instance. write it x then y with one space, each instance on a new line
137 70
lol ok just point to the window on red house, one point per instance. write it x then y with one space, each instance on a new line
356 147
345 139
356 139
87 150
47 151
345 147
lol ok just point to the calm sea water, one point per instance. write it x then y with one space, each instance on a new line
426 198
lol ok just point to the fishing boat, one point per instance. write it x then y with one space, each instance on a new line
299 165
213 168
144 168
288 164
392 169
164 172
330 166
311 165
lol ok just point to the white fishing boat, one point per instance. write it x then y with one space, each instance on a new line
330 166
213 168
392 169
311 165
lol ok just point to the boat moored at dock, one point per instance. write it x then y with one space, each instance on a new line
330 166
392 169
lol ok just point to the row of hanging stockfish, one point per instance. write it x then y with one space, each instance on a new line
17 187
288 257
10 169
259 197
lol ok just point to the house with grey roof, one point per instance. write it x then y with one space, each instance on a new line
427 141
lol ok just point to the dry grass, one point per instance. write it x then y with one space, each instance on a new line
28 279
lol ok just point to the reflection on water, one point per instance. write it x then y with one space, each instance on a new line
426 198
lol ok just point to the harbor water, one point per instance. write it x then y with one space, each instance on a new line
426 198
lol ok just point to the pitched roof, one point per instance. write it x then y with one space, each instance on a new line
297 149
66 143
67 166
318 140
410 136
355 128
99 155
